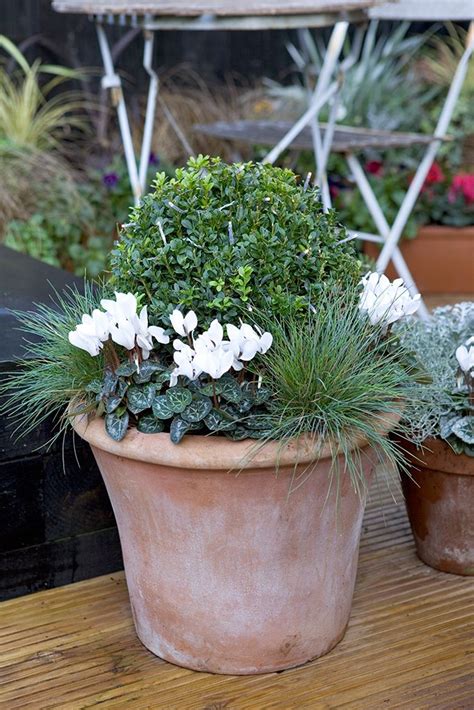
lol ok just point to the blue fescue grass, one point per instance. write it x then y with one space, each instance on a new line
335 377
52 372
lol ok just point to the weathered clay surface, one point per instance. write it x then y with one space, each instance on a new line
440 504
226 572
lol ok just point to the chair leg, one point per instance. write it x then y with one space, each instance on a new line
323 92
150 107
111 80
430 154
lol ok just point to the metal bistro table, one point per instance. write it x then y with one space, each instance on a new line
154 15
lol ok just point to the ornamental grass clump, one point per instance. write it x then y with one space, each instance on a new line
220 239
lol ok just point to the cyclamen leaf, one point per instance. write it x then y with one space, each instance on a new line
95 386
140 398
231 390
216 422
257 421
161 407
178 399
238 434
112 402
125 369
150 424
147 369
161 379
178 429
261 395
464 429
197 410
122 387
116 425
209 390
110 382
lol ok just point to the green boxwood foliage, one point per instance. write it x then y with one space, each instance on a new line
220 238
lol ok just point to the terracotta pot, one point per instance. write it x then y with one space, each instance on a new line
439 257
440 504
226 572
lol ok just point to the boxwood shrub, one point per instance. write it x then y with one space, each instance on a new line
220 238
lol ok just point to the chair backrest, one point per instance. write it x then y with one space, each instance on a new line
424 10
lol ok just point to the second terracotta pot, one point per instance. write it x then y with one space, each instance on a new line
227 572
440 505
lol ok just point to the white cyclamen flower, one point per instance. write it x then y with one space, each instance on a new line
214 361
247 342
211 338
186 366
384 301
128 329
465 357
92 332
183 325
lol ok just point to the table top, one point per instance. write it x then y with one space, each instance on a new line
409 644
218 8
424 10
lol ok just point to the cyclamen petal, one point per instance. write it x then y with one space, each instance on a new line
159 334
183 325
465 358
89 343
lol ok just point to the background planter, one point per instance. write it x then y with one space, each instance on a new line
439 257
226 572
440 504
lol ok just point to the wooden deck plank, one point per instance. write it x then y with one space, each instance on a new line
410 645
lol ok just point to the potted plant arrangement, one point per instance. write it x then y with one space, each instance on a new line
440 491
236 391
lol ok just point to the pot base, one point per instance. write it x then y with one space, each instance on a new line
440 504
194 664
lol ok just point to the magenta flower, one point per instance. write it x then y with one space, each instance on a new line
462 184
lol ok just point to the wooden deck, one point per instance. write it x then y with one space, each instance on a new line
410 644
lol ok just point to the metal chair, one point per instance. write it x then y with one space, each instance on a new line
350 141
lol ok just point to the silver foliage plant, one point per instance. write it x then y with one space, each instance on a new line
445 407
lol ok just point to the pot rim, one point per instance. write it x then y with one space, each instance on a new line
438 456
211 452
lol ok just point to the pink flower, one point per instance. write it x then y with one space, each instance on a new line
374 167
435 174
462 184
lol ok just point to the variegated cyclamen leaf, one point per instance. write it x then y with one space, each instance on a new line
178 429
95 386
126 369
211 388
147 370
116 425
178 399
112 402
140 398
161 407
110 382
464 429
216 422
230 390
446 425
197 409
150 424
257 421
